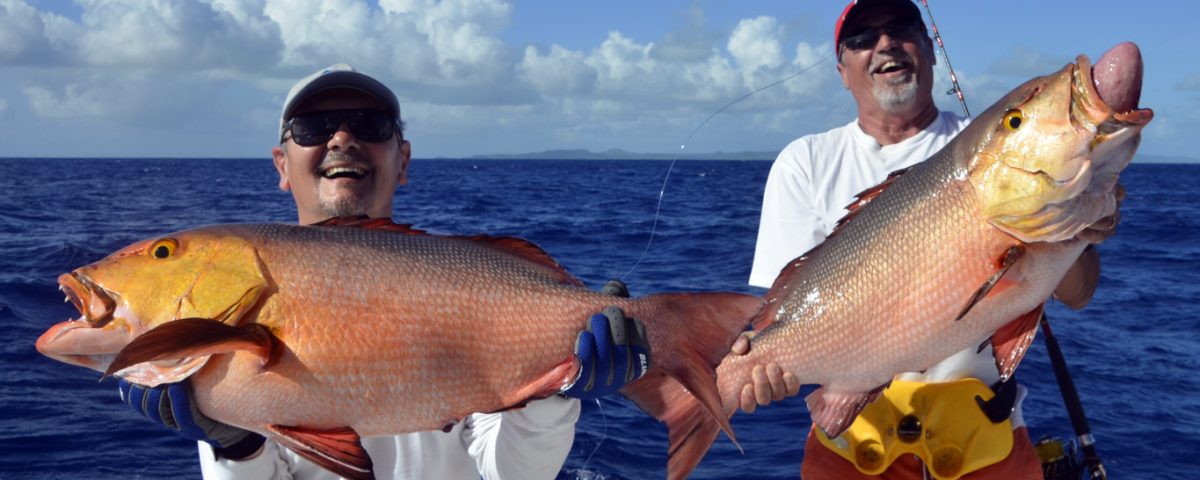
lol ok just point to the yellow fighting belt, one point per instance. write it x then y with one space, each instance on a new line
939 422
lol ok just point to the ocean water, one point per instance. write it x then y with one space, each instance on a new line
1134 352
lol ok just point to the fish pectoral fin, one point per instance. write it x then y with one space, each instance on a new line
833 412
339 450
193 337
997 282
1010 343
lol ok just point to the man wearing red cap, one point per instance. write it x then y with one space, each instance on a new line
886 59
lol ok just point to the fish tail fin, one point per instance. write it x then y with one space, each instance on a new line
690 429
690 333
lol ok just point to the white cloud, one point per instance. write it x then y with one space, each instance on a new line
73 101
755 45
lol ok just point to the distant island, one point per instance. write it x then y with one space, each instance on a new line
618 154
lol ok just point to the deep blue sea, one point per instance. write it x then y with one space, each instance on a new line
1134 352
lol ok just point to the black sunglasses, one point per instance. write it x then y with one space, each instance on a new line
318 127
869 36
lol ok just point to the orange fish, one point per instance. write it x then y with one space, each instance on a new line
317 335
962 248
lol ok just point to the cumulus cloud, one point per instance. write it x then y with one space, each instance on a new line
157 64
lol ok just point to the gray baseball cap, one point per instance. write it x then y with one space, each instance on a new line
336 76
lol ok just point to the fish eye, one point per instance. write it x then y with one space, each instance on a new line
1013 119
163 248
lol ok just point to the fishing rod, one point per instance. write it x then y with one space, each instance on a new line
1092 462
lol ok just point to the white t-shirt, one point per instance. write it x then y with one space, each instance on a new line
527 443
812 182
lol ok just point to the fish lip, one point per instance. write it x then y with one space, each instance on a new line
1105 119
94 302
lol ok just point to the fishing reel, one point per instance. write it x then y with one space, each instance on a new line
1062 460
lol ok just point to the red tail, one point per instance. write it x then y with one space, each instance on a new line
689 335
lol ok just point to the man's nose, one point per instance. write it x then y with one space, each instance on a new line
342 139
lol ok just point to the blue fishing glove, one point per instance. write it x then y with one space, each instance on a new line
612 351
170 405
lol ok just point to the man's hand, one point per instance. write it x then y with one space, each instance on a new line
771 383
170 405
612 351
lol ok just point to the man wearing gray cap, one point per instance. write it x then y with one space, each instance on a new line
342 152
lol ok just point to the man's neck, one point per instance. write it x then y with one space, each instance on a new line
891 128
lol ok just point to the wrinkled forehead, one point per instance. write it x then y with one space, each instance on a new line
339 99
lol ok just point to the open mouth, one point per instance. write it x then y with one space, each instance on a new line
95 304
1115 84
892 66
337 172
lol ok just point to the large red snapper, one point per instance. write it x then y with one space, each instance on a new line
317 335
944 255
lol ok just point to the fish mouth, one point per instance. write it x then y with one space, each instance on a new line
94 302
1106 94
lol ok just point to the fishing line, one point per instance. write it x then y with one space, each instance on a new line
682 146
603 435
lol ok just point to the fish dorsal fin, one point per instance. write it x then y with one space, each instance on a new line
519 247
363 221
866 196
1010 343
526 250
794 267
338 450
189 338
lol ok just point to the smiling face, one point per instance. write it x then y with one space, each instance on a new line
895 74
344 176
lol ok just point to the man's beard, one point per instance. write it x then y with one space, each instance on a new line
346 205
897 98
899 94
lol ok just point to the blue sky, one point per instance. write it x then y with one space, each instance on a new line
133 78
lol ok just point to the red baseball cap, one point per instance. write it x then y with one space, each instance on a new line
907 10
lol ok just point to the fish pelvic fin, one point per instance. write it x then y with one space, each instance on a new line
689 333
833 411
997 282
339 450
194 337
1010 343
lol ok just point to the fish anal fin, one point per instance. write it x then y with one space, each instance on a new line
544 386
997 283
833 411
194 337
1010 343
339 450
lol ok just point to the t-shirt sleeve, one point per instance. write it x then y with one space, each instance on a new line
526 443
789 224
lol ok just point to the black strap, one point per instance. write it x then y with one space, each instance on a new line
1000 407
242 449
